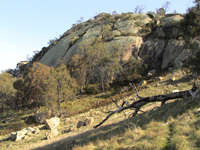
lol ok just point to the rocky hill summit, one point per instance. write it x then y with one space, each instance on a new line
154 38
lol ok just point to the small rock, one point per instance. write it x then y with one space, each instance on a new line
158 78
174 91
52 133
17 136
172 78
143 83
152 72
89 121
80 124
198 110
157 85
67 120
52 123
36 130
30 129
24 131
149 74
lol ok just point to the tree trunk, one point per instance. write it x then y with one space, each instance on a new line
137 105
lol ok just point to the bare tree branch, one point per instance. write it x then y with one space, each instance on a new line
145 100
133 86
115 103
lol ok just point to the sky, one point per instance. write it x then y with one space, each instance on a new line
28 25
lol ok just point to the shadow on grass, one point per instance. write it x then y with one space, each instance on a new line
181 80
106 132
4 140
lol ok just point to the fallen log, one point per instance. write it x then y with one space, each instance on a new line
138 104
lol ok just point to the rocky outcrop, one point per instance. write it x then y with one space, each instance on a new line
159 45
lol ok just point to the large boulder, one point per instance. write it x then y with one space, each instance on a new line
52 123
168 21
173 49
130 45
152 50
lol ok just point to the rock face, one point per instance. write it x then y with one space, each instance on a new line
52 123
160 46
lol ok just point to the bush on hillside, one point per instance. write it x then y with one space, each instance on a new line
7 92
191 27
133 69
191 23
95 64
43 85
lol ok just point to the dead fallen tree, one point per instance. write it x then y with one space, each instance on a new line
138 104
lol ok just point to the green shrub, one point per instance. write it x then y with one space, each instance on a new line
133 69
7 91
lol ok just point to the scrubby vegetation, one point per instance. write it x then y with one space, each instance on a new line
191 26
7 92
94 75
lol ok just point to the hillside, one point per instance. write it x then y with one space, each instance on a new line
154 38
72 93
173 126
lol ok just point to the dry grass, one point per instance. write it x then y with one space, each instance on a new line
174 126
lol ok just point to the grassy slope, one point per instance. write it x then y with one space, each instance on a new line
174 126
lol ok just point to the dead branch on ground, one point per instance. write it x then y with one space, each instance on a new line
142 101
